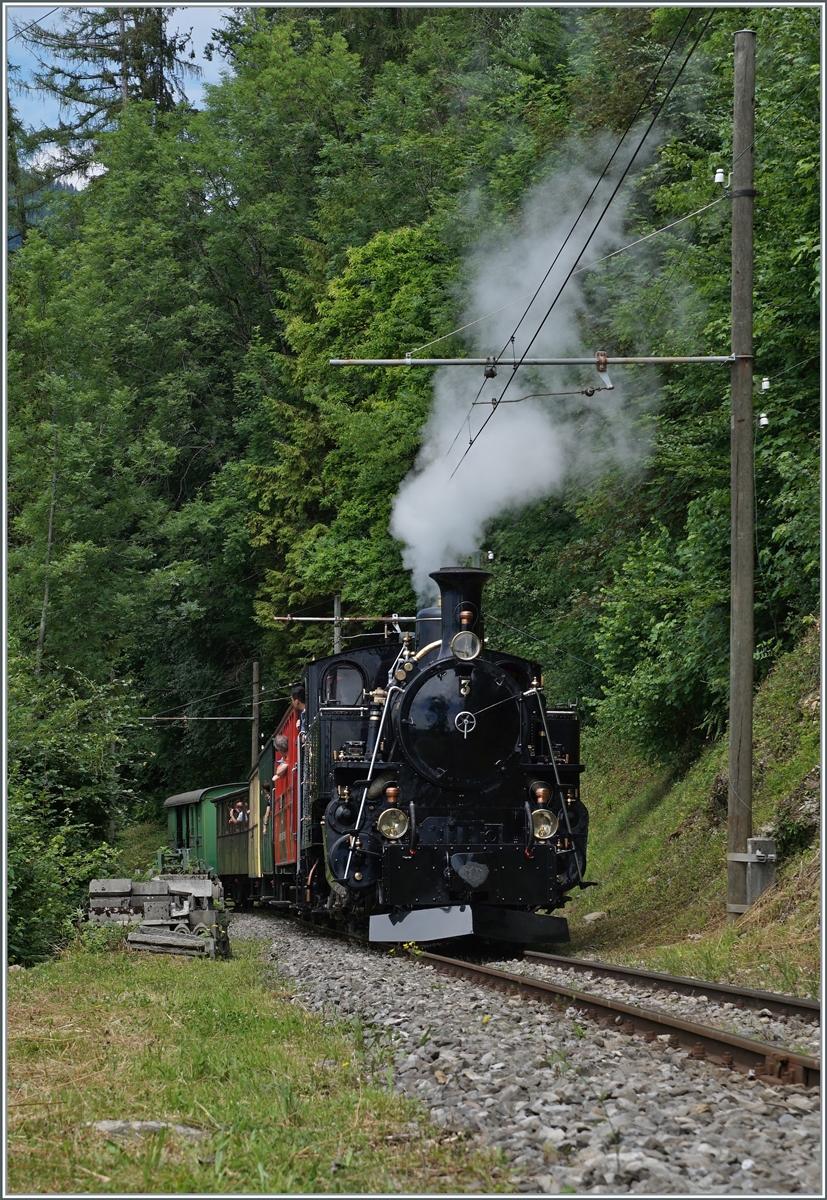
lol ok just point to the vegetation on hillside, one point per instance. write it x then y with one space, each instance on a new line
659 846
183 464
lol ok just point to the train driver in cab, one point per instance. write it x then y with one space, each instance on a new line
298 699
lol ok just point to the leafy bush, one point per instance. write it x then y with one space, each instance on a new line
49 867
73 745
91 938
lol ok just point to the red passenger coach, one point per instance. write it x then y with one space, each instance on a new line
285 795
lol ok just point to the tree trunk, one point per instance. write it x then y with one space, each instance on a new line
124 57
41 640
14 174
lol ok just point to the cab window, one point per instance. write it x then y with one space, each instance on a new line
343 684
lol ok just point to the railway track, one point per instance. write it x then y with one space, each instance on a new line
773 1064
570 1110
779 1005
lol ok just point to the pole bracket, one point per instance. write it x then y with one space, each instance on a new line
757 857
742 192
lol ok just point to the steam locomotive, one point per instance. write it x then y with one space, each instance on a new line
429 791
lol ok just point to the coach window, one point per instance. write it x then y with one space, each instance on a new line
343 684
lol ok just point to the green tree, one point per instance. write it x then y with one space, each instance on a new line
184 464
663 640
98 61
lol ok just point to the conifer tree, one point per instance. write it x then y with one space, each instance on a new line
100 60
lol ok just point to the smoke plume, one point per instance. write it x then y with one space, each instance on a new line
530 448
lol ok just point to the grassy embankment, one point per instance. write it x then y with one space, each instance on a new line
287 1102
138 845
658 846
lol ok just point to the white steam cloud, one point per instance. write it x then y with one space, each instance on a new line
532 448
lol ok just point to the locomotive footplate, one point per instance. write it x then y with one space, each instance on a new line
445 875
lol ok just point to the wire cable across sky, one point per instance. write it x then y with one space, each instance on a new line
574 266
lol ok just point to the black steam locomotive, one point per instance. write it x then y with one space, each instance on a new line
437 794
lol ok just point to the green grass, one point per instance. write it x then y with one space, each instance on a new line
658 844
137 846
289 1102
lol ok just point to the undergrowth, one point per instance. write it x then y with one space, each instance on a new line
137 846
657 846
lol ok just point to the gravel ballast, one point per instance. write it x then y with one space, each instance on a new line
571 1105
760 1025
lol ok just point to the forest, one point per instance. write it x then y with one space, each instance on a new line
184 465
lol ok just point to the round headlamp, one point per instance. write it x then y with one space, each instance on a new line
393 824
465 646
545 824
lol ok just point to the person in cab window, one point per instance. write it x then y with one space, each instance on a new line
298 699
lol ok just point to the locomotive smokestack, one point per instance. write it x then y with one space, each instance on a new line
461 597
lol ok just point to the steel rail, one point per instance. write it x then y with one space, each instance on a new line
776 1003
773 1064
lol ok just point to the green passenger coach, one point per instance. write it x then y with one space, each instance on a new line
195 821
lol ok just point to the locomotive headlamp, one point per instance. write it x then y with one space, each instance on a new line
465 646
393 824
545 824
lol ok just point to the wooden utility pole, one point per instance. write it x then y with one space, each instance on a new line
256 689
742 516
337 624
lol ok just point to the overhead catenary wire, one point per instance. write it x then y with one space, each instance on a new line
199 699
212 696
586 267
766 125
628 167
277 699
540 641
769 124
602 175
186 719
663 229
585 391
625 172
26 28
802 363
541 285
